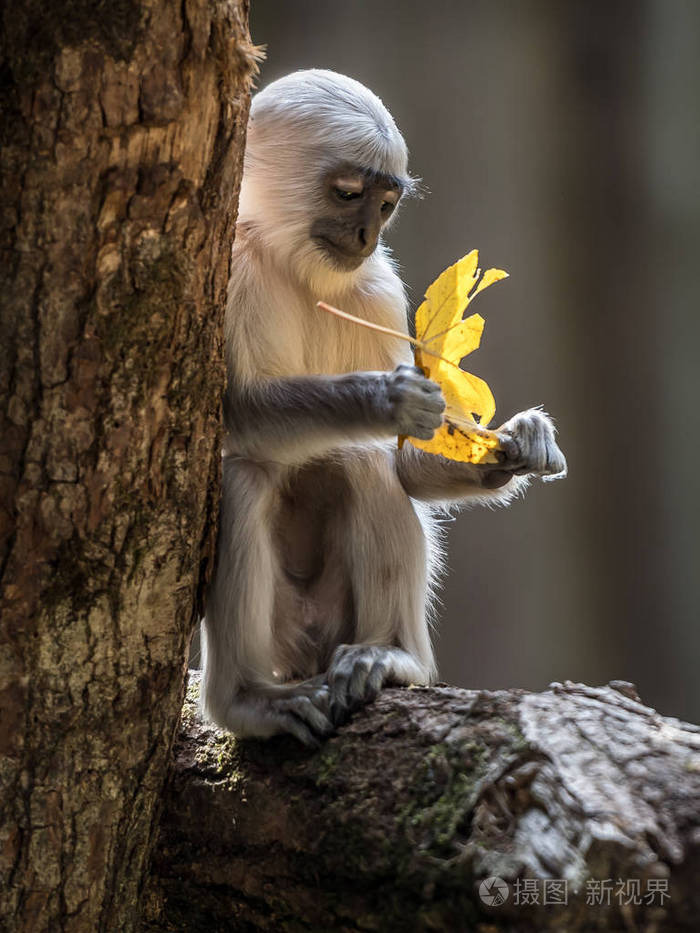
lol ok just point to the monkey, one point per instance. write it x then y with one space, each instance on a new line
329 549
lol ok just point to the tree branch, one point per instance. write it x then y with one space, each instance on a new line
396 822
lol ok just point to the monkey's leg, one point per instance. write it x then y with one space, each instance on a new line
238 689
387 557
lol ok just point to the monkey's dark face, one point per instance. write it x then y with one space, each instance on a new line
356 205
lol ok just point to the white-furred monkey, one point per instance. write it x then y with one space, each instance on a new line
327 549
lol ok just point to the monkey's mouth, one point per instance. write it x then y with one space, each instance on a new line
339 257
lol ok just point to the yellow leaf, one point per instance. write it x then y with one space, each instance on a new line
443 338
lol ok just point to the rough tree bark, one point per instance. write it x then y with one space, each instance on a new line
396 822
122 133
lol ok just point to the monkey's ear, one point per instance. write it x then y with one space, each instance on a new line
445 339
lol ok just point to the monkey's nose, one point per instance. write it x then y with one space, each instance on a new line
366 239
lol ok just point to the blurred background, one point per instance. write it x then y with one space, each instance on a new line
562 140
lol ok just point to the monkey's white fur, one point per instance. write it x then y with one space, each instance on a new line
266 635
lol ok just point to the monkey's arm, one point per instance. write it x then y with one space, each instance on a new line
528 446
292 420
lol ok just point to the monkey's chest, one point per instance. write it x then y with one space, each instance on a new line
334 346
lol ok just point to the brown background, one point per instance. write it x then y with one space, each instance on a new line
562 139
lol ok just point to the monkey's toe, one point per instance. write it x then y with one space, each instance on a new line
305 720
355 676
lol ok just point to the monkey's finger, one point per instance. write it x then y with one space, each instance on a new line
339 706
428 413
304 709
422 422
509 448
556 461
426 393
423 434
320 695
423 429
540 452
411 380
339 712
358 681
536 447
375 680
321 698
432 389
299 730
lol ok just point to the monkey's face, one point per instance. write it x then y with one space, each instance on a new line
356 205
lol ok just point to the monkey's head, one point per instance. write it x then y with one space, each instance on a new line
325 168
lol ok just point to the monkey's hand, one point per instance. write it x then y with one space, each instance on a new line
357 673
413 404
528 446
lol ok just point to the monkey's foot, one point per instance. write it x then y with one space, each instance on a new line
357 673
299 709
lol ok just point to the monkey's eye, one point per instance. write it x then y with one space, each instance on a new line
387 208
346 195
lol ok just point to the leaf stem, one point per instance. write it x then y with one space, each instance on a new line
420 344
358 320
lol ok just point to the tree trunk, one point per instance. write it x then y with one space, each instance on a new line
585 803
122 132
